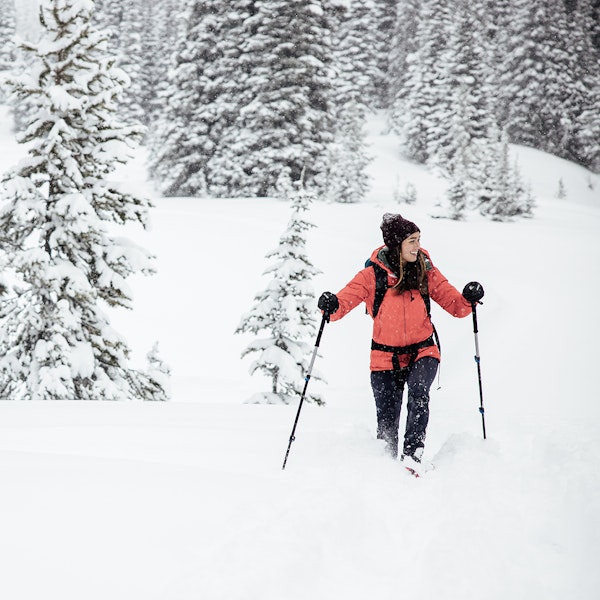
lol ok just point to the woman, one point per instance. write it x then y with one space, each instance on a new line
403 349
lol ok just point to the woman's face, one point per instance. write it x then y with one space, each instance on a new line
409 249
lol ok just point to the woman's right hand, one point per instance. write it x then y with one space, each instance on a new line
328 303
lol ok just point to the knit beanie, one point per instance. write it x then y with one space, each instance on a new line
396 229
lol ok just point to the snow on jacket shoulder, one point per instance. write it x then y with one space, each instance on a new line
402 318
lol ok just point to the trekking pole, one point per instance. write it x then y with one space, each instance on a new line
478 361
324 320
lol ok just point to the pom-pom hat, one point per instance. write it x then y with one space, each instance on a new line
396 229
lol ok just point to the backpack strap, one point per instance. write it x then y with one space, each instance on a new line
381 287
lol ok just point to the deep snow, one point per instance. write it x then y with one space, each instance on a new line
187 500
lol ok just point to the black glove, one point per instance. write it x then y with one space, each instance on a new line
473 292
328 303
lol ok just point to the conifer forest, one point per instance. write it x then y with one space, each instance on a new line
253 99
234 94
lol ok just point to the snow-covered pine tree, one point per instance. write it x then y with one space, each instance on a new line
537 77
495 16
356 92
132 60
583 104
381 39
504 195
108 14
7 34
348 180
469 119
195 106
595 15
161 24
420 107
561 192
285 312
228 170
57 219
456 197
587 134
408 195
125 21
402 45
284 64
361 50
158 369
11 59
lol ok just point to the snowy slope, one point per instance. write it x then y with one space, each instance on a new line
187 499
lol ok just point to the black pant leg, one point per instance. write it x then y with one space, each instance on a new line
420 377
387 391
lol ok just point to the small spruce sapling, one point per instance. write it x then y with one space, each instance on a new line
285 313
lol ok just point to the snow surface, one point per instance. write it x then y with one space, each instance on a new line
187 500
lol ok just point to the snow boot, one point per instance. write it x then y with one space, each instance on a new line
415 464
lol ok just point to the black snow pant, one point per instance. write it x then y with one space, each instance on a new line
388 387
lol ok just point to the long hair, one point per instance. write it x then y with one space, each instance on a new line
406 275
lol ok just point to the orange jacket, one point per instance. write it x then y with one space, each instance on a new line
402 318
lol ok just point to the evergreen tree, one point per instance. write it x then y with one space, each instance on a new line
125 21
108 15
355 93
495 16
561 193
284 63
456 195
58 213
161 24
7 34
504 196
537 80
359 75
131 60
10 57
469 117
406 196
159 370
230 160
583 104
190 151
191 123
595 15
422 103
362 45
285 311
588 132
403 44
383 39
444 106
348 180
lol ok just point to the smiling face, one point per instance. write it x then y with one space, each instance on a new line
410 247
